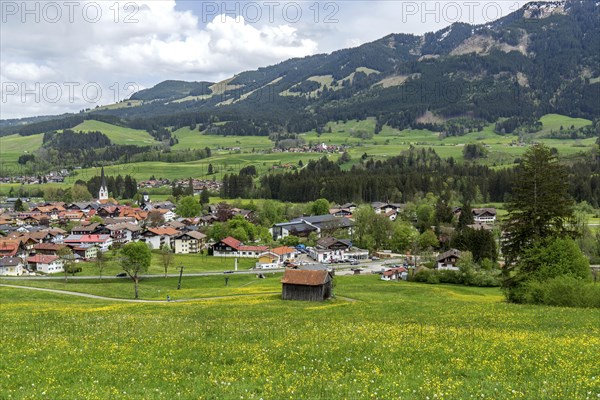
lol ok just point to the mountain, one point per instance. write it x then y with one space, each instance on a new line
543 58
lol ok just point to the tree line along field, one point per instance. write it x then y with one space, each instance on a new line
374 340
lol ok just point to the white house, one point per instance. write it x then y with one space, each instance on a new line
11 266
189 242
46 264
231 247
448 260
484 215
157 237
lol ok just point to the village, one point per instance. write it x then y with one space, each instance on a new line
33 239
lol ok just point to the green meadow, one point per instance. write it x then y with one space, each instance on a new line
117 134
192 139
380 340
13 146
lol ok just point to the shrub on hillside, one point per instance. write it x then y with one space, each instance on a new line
545 263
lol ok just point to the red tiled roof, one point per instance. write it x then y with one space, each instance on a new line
231 242
88 239
41 259
9 248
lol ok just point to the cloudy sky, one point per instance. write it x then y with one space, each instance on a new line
64 56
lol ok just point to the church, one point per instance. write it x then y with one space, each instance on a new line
103 193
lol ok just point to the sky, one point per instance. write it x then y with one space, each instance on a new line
65 56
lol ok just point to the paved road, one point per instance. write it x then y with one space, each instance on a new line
93 296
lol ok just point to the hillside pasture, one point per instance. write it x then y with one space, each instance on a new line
117 134
192 139
14 146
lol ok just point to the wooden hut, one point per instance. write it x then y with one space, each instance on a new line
306 285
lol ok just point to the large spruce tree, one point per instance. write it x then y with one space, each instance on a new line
540 208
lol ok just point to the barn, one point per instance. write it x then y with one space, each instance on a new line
306 285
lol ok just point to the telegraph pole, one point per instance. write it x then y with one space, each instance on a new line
180 275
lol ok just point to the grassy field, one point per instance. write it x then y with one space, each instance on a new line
395 340
553 122
223 163
13 146
117 134
192 139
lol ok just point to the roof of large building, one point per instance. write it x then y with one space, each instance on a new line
87 238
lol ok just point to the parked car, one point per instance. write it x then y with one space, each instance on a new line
375 258
354 262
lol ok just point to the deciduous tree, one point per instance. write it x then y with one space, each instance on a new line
135 259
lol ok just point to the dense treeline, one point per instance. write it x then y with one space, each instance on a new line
242 128
413 173
401 178
171 156
68 140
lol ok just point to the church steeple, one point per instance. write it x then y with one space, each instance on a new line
103 193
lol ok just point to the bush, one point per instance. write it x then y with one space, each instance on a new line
552 262
485 280
433 278
469 278
563 291
449 276
422 275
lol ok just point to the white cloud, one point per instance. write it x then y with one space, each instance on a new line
164 43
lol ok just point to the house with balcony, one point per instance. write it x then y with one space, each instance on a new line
189 242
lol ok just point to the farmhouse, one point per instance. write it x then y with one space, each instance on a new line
448 260
308 285
45 264
231 247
